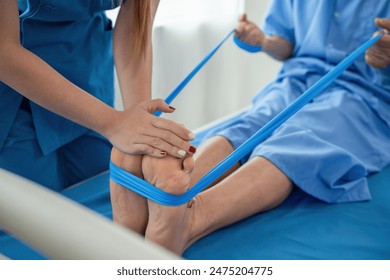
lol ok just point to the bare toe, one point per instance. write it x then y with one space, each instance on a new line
188 164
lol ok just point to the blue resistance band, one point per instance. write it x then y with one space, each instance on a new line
153 193
180 87
189 77
247 47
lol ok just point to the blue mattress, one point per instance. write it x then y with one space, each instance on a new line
302 227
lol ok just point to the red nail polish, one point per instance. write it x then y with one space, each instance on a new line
192 149
172 108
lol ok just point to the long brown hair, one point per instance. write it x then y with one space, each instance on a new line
140 13
140 25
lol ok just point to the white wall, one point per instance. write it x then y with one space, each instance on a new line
185 31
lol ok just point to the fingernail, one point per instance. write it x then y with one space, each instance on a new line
191 135
163 153
172 108
181 153
192 149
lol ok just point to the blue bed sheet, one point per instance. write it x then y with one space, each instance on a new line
302 227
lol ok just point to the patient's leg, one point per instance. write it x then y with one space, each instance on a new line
256 186
128 208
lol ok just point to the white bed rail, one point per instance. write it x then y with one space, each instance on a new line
62 229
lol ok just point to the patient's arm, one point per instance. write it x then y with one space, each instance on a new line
275 46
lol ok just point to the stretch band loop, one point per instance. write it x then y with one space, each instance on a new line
149 191
247 47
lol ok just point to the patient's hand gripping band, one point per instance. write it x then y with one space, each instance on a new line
245 46
149 191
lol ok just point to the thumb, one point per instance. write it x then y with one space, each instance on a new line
383 23
158 104
242 18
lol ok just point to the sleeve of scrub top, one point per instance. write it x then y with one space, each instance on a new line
278 20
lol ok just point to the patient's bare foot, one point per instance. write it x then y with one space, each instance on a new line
128 208
169 226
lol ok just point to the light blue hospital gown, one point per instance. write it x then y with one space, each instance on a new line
330 146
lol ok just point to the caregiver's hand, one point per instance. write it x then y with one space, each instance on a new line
378 55
137 131
248 32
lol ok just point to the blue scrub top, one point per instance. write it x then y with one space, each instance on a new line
75 38
323 33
